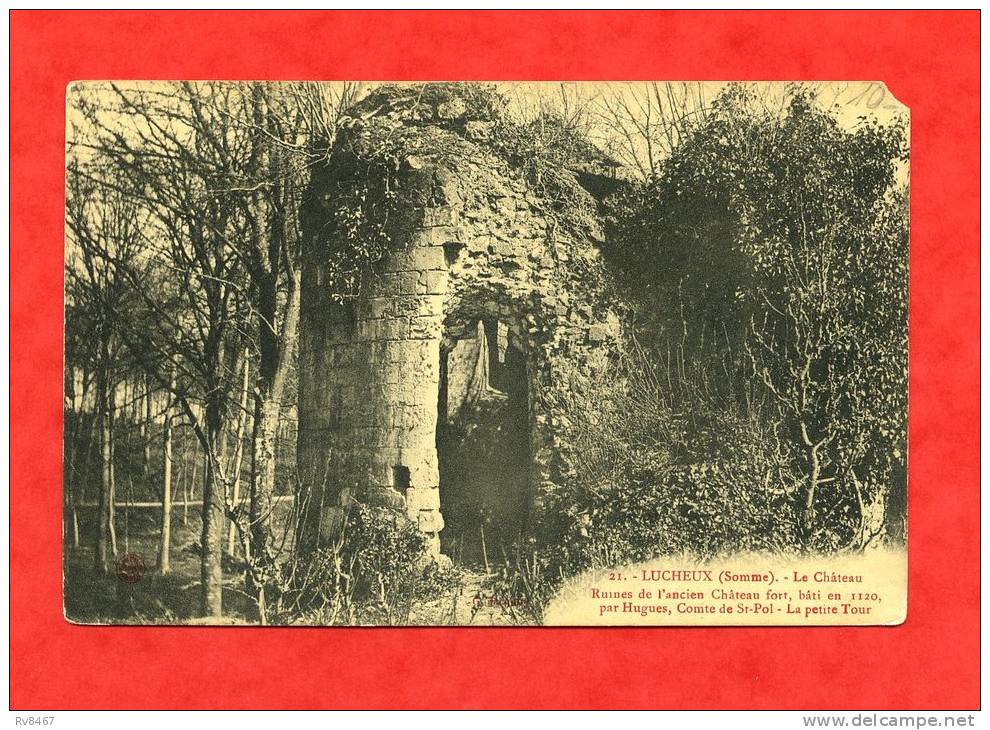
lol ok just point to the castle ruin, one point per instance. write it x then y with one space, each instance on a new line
430 387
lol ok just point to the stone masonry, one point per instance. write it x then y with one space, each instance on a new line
484 248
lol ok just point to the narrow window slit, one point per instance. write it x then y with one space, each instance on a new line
400 478
451 249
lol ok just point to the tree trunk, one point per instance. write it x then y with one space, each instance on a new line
814 478
242 417
186 491
70 441
211 571
165 544
147 427
129 421
895 509
90 428
872 515
263 481
104 542
276 350
76 453
111 471
87 469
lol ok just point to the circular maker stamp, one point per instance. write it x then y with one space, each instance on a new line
130 568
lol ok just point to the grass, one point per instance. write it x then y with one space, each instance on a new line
92 597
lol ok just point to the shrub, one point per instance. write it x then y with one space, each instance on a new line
651 476
388 554
779 236
371 574
526 581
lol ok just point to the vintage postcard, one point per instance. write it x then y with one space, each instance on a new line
628 353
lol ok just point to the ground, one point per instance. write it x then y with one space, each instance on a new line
94 598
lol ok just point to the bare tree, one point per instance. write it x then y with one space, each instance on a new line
235 468
101 227
165 542
287 127
189 282
218 172
641 124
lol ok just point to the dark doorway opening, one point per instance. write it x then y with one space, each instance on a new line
483 444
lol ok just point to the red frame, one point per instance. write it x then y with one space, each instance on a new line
930 61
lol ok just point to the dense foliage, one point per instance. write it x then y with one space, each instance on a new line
760 402
373 573
772 248
378 179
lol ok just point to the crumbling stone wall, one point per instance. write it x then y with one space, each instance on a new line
479 245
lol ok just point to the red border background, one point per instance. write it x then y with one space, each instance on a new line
930 61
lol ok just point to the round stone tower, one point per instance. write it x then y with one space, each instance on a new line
425 385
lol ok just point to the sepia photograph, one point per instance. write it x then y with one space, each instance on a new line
476 360
485 354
